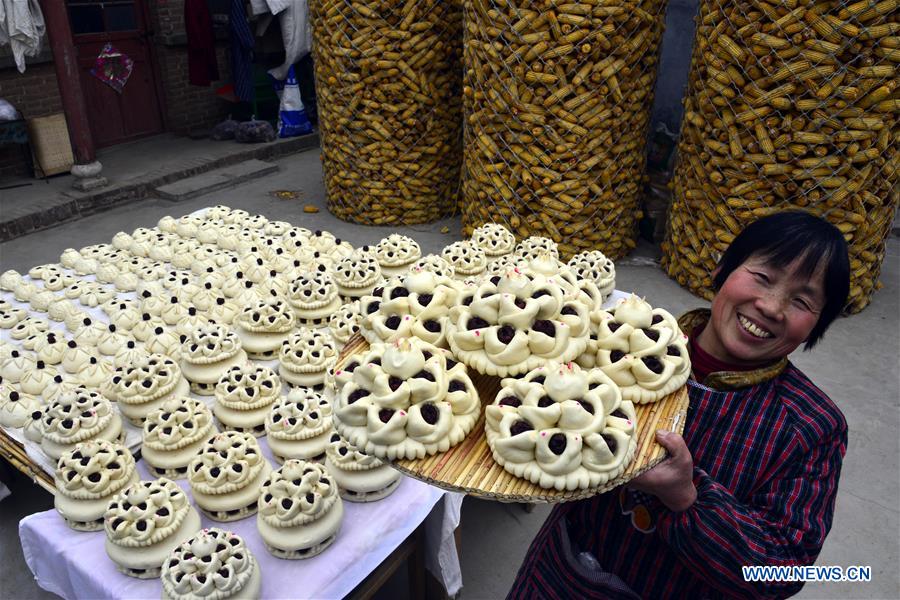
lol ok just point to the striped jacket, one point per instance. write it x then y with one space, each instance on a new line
767 458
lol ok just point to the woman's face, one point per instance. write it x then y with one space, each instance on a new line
763 312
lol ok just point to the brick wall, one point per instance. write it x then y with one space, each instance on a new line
188 107
35 94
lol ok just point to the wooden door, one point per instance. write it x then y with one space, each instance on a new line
134 113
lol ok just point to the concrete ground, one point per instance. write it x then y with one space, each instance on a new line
856 364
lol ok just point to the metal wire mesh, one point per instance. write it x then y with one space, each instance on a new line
389 79
791 104
557 102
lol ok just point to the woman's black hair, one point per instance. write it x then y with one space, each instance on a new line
782 238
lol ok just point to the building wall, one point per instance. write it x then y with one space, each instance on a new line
189 107
186 108
35 94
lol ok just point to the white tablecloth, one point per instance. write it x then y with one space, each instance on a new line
75 565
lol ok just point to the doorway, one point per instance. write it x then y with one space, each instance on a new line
136 112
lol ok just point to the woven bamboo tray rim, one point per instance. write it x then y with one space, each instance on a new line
469 467
15 453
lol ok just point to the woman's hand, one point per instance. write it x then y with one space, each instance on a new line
672 480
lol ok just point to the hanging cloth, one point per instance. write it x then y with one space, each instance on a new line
201 42
241 52
293 17
22 27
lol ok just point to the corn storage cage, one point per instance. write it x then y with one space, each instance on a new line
790 106
557 99
389 79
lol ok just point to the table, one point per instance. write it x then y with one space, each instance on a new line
74 564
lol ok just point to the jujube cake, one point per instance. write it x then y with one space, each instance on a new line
243 397
263 325
86 479
416 305
214 564
76 417
641 348
14 366
562 427
305 357
517 321
34 380
313 296
298 425
404 401
144 385
16 408
173 434
144 522
207 354
360 477
226 475
395 253
300 511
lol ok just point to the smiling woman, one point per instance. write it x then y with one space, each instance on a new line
799 269
754 478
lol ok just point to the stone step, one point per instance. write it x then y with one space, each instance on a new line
216 179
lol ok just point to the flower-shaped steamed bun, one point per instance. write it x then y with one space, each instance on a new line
314 296
641 348
344 322
562 427
227 474
263 325
300 511
404 401
495 239
298 425
78 416
144 522
535 246
514 322
595 266
214 564
306 356
467 259
244 395
395 253
173 434
86 478
207 353
416 305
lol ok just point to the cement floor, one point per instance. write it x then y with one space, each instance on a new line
856 364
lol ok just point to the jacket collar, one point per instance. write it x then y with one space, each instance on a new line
728 380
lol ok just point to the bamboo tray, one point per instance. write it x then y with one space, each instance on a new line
15 453
469 467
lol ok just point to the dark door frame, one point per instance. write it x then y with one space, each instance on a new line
149 36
